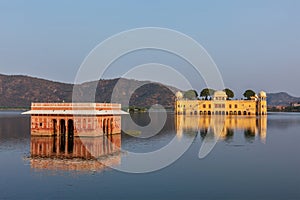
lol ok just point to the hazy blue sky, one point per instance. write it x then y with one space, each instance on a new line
256 44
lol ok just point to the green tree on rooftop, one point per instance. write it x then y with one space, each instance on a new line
190 94
229 93
206 92
248 94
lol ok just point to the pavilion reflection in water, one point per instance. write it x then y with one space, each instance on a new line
225 126
75 153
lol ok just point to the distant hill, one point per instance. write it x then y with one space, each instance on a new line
281 99
20 91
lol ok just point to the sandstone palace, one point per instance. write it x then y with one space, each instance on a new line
220 105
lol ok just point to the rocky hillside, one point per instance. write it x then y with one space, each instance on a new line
20 91
281 99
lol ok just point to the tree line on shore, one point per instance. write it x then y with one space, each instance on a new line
207 94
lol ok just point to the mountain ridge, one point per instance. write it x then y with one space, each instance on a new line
281 99
21 90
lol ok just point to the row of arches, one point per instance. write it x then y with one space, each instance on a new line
107 126
66 128
63 127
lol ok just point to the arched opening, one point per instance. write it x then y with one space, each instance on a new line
104 126
239 113
195 112
70 135
223 112
200 112
54 122
62 127
62 131
191 113
249 113
70 128
230 113
107 126
111 126
245 112
234 113
62 143
204 112
209 113
226 112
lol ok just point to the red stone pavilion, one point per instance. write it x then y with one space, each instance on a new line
75 119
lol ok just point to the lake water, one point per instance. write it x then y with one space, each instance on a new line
254 158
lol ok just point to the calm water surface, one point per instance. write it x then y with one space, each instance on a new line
254 159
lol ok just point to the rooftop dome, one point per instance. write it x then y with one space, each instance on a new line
262 94
179 95
220 93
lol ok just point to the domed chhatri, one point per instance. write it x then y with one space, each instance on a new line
220 105
179 95
262 94
220 96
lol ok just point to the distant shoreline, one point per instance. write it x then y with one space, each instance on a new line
13 109
138 111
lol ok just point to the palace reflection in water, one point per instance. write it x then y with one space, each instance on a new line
61 152
223 126
75 153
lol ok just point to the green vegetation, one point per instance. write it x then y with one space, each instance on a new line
135 109
15 108
139 109
206 92
248 94
190 94
229 93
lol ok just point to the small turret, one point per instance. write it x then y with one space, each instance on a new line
262 103
220 96
262 95
179 95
